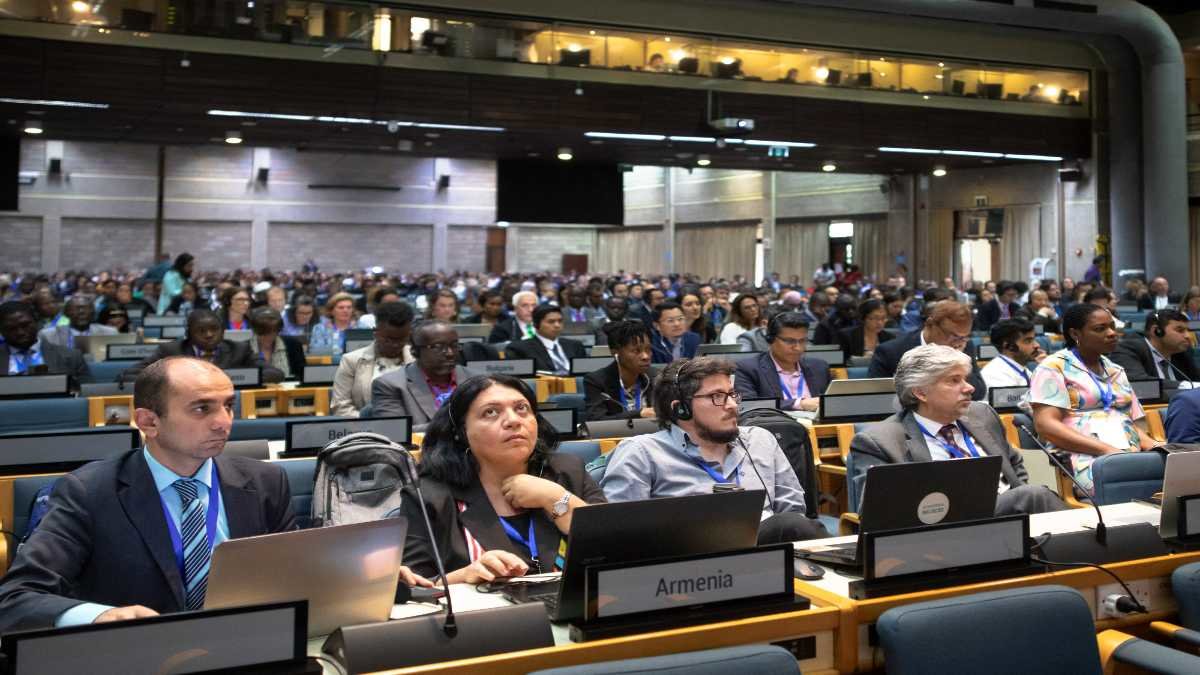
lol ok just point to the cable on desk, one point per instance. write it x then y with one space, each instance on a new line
1138 603
333 662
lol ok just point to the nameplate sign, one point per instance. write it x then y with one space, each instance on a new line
472 330
709 350
244 377
239 335
600 350
29 386
1007 398
624 588
588 339
172 332
946 548
469 338
129 352
65 447
318 375
162 321
355 345
311 436
988 352
858 407
106 389
734 357
748 404
514 367
589 364
562 419
1147 391
830 354
1189 517
359 335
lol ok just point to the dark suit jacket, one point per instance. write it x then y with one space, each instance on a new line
505 330
607 380
1183 417
406 392
1133 354
229 354
899 439
853 341
480 519
757 377
105 538
660 349
887 357
295 355
57 359
1048 325
989 313
532 348
1146 302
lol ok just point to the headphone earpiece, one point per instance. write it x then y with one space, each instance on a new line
681 410
1159 331
772 329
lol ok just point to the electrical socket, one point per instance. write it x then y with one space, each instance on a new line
1154 594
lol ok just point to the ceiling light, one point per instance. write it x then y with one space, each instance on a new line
911 151
591 32
80 6
822 73
1052 91
939 170
574 47
789 144
703 160
939 76
627 137
502 223
829 167
233 137
941 65
691 139
565 154
267 116
1035 158
454 127
972 153
331 119
668 39
33 127
926 97
678 55
727 60
55 103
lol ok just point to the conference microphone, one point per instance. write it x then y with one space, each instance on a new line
610 399
1101 530
450 627
1180 372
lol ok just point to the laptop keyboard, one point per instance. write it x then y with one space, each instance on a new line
549 599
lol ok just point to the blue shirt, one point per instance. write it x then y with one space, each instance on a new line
164 478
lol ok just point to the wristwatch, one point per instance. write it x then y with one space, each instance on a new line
559 508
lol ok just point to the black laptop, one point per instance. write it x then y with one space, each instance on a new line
643 530
913 494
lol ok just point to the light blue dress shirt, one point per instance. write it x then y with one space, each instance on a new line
164 478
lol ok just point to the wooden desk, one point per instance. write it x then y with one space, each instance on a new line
105 410
276 401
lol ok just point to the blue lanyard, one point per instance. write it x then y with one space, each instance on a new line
955 451
637 395
787 394
1020 371
713 472
30 359
214 499
1106 392
530 543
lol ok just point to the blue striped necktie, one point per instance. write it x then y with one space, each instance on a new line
197 551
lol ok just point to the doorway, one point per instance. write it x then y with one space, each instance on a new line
497 242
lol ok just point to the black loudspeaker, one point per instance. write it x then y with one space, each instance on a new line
443 182
54 167
263 174
411 642
10 157
1071 174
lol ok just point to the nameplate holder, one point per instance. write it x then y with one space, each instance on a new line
857 407
1194 325
477 331
514 367
590 364
564 421
734 357
239 335
162 321
34 386
749 404
1148 390
1189 518
318 375
173 332
46 452
308 437
355 345
244 378
1007 399
830 354
129 352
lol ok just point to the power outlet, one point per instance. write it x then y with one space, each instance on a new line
1154 594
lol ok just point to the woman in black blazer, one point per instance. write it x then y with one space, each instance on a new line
862 339
499 497
622 389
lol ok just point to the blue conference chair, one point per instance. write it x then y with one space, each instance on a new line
576 401
585 450
1121 477
758 659
1185 581
106 371
301 476
857 372
43 414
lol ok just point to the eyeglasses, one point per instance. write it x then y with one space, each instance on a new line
954 337
793 342
673 320
718 398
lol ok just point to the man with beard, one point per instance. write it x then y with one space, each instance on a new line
700 444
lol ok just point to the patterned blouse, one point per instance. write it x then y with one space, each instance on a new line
1062 381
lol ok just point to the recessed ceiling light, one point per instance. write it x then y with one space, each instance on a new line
233 137
565 154
33 127
703 160
80 6
829 166
939 170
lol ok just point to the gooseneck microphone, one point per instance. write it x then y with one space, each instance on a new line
1101 530
450 627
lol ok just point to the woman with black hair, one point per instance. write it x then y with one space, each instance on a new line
1083 402
173 280
746 315
622 389
499 497
862 339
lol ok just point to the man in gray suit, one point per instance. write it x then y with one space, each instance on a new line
80 312
940 422
420 388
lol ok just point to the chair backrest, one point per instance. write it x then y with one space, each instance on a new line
855 478
585 450
258 448
857 372
24 489
576 401
758 659
43 414
1185 582
1033 631
1121 477
106 371
301 475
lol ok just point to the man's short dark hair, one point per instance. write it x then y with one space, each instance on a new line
680 381
201 315
1097 293
395 314
543 311
1161 318
663 307
265 320
13 307
621 334
789 320
1009 331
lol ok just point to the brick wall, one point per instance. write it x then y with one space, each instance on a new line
22 243
397 248
466 248
216 245
125 243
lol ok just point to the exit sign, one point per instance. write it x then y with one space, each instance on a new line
780 151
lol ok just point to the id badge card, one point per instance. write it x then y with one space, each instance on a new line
1109 429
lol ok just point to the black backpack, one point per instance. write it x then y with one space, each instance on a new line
793 439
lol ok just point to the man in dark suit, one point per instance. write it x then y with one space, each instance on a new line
941 422
23 353
519 326
784 372
622 389
104 550
206 340
948 324
671 338
549 352
1003 306
1160 354
1159 297
420 388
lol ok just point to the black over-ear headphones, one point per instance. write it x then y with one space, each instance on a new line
772 331
682 410
1159 330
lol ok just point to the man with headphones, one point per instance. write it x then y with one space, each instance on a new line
784 372
700 449
1159 354
420 388
1015 340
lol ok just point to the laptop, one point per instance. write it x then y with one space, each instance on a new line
348 573
914 494
1181 478
646 529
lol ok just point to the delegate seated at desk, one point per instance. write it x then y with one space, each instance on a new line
784 372
519 326
1015 341
206 341
671 338
550 353
1161 353
22 353
622 389
700 444
948 323
419 389
80 314
103 552
358 370
941 422
499 497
